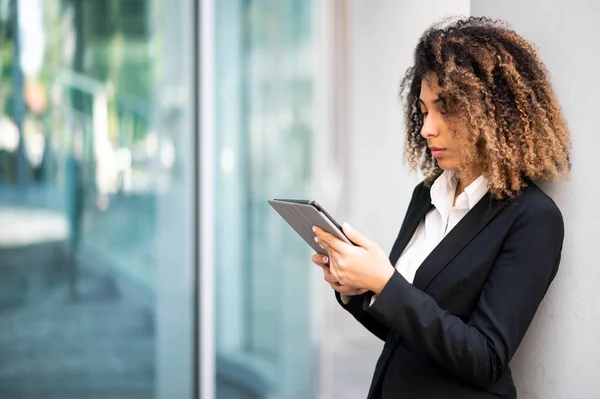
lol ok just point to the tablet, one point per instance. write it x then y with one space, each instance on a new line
302 215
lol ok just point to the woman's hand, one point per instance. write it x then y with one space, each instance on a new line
363 266
323 262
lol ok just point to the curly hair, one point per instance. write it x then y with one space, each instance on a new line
499 101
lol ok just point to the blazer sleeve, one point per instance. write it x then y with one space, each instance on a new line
371 323
479 350
355 304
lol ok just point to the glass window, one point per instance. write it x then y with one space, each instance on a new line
264 103
97 148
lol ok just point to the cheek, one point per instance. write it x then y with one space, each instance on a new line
454 156
451 160
449 136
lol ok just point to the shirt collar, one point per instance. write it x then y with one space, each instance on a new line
475 191
444 187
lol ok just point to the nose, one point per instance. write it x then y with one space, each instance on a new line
429 128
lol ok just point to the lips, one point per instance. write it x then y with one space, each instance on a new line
437 152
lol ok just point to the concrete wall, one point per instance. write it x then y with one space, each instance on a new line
560 357
377 186
382 38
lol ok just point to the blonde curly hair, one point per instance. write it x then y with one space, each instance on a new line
499 101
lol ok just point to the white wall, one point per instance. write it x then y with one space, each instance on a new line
560 357
377 186
383 35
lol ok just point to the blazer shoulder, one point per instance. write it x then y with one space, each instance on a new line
534 197
534 203
420 189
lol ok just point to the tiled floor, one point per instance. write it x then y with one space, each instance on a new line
53 345
99 344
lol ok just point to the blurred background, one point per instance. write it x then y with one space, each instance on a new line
139 142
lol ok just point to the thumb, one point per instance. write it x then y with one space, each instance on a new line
355 236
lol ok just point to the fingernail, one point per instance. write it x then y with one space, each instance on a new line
346 226
314 229
316 239
325 259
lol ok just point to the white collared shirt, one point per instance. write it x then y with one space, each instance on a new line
440 220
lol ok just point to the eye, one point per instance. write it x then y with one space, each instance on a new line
443 106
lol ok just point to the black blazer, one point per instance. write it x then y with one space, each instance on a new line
452 333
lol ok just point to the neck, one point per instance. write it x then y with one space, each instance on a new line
465 179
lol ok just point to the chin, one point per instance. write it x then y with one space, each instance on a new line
447 164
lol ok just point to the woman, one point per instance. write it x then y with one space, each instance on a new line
480 242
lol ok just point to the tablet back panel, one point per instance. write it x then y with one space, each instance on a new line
302 217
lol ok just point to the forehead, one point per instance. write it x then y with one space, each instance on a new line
430 86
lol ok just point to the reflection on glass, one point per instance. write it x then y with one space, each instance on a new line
96 199
264 102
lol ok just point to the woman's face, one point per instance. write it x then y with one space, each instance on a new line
436 127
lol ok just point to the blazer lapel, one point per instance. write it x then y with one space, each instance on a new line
416 212
468 227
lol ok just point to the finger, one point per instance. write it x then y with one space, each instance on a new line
357 291
356 237
320 260
329 277
345 290
324 245
339 288
328 241
334 270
